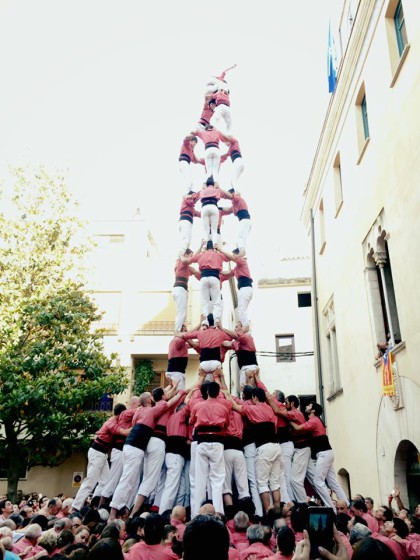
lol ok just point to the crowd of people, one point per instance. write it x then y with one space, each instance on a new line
48 528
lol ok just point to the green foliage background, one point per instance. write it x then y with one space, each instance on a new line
52 364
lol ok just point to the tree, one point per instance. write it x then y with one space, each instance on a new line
52 364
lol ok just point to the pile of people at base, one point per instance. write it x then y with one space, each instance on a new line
175 447
279 535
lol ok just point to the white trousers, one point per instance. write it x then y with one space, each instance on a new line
115 473
209 219
180 296
129 481
244 228
153 461
185 231
250 453
222 113
183 496
209 366
300 463
176 376
324 471
235 466
243 371
209 466
244 298
97 474
237 170
193 451
212 160
210 296
174 467
284 491
267 467
287 450
186 175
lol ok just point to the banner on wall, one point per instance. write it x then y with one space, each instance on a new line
388 384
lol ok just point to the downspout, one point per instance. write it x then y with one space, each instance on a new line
315 300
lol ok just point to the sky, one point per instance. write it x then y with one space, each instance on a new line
107 91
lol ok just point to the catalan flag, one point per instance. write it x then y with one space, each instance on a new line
388 386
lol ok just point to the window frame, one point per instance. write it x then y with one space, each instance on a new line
305 294
401 43
279 337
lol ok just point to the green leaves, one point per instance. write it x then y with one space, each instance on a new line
52 367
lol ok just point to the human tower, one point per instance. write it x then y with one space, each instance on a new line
214 130
177 447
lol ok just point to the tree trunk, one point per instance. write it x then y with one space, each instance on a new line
16 462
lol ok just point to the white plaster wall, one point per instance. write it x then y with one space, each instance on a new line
361 423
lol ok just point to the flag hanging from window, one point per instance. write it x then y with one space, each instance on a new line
388 386
332 62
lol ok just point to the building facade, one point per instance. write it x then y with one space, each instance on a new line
362 204
282 328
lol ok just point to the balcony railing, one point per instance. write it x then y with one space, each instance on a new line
151 328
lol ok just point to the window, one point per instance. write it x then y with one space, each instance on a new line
304 300
398 45
285 347
400 29
338 189
362 122
331 350
322 227
363 105
382 296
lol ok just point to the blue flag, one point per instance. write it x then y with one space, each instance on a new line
332 62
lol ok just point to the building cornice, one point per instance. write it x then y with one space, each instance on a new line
283 282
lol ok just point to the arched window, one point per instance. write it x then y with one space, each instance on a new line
407 473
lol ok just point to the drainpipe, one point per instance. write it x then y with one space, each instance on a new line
315 303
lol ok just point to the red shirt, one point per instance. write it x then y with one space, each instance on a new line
210 191
108 429
210 413
178 348
179 525
222 98
233 146
148 415
209 338
186 148
209 260
212 136
182 269
315 427
177 423
235 427
125 419
188 202
23 543
238 203
143 551
259 550
241 268
371 522
207 113
244 342
259 412
398 549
